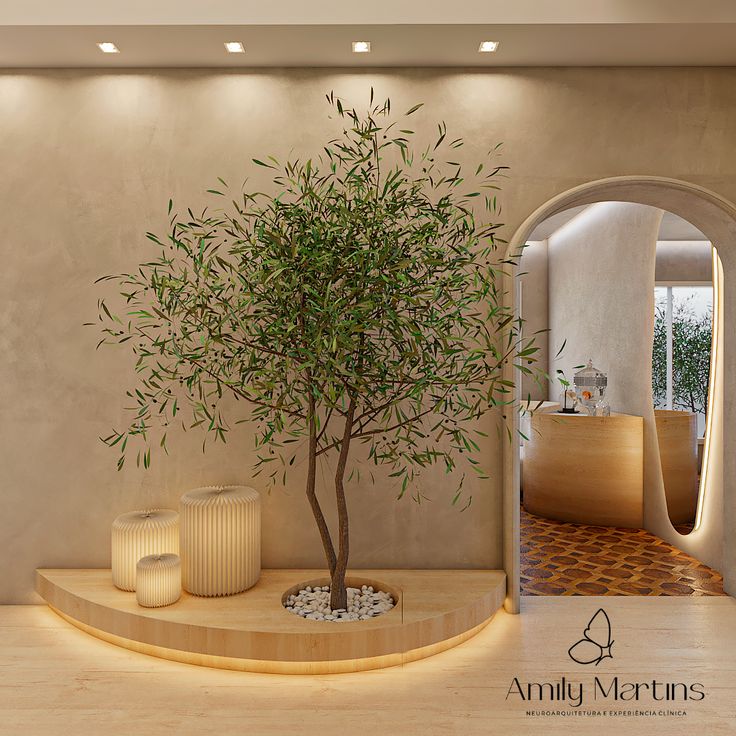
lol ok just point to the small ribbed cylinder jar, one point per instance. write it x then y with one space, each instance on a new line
138 534
158 580
220 540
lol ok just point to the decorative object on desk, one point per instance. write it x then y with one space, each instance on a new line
569 402
590 385
138 534
601 408
220 540
568 397
158 580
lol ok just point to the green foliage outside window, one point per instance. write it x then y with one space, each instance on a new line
691 344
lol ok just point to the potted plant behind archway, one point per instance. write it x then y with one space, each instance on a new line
357 304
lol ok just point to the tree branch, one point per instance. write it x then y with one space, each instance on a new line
324 531
338 594
243 395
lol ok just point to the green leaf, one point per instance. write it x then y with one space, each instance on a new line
362 282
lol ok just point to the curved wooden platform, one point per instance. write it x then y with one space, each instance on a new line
436 610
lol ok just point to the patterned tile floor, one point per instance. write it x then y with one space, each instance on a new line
558 558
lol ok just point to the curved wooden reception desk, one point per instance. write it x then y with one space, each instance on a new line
677 435
588 470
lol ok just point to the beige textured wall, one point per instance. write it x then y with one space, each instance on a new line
89 161
601 300
534 312
684 260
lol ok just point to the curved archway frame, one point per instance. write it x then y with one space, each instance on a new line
716 218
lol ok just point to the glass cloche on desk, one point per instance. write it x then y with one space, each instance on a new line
590 387
568 401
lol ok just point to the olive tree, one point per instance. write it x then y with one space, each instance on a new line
357 303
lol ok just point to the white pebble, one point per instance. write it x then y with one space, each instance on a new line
313 603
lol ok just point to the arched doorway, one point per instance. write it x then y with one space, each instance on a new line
716 218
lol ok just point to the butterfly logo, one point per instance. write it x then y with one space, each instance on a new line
596 643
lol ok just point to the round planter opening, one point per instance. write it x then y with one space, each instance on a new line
371 600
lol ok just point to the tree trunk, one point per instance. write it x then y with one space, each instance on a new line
319 517
338 590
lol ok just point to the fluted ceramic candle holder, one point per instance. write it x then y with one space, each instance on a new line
158 580
138 534
220 540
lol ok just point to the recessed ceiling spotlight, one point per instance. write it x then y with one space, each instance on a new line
234 47
488 47
361 47
108 47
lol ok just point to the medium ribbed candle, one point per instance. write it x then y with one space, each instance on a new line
158 580
138 534
220 540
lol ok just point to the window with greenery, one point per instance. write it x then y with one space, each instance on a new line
681 353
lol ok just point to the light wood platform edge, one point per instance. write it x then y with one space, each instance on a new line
230 633
275 667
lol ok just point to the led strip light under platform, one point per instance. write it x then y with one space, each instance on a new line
252 631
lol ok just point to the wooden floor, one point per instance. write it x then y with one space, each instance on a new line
561 558
54 679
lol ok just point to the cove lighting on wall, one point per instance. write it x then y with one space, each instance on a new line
234 47
488 47
714 415
361 47
108 47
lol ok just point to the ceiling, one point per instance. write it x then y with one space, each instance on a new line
672 227
381 12
428 33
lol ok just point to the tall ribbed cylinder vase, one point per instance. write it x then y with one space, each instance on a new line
138 534
158 580
220 540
